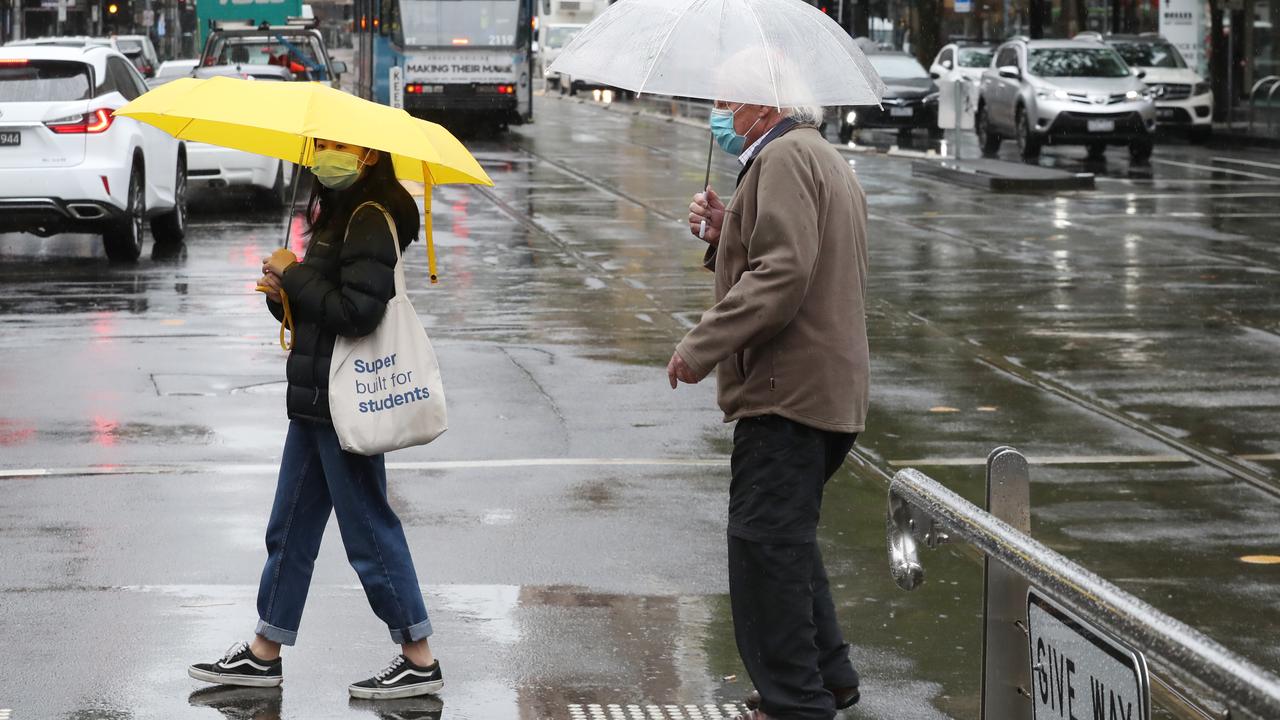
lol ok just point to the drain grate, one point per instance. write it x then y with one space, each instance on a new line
726 711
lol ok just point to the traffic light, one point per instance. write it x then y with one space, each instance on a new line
117 14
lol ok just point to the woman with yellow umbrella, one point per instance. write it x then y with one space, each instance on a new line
341 288
357 213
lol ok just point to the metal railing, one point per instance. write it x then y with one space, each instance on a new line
1192 676
1270 83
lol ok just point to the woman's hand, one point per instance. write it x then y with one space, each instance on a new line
709 208
278 262
269 285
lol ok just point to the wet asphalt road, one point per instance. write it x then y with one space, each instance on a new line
569 527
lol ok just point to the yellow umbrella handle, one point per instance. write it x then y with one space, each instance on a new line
426 217
287 322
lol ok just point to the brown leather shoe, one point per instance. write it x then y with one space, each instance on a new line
845 698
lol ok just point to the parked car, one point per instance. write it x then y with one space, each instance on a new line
1184 99
297 46
555 37
138 48
214 167
140 51
171 70
910 100
68 164
961 61
1064 92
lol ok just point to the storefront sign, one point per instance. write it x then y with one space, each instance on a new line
1182 23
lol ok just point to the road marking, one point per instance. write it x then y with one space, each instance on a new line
1261 559
1210 168
247 468
649 711
1070 460
197 468
1250 163
4 714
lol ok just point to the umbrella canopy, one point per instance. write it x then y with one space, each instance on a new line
783 53
283 120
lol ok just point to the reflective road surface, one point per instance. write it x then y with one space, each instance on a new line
569 528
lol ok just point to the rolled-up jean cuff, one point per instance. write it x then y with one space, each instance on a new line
413 633
275 634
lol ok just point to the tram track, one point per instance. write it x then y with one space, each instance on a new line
881 469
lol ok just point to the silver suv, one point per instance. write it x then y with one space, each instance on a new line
1064 92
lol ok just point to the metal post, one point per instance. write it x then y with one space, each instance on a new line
961 86
1231 69
1006 663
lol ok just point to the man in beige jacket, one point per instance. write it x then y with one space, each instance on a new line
787 337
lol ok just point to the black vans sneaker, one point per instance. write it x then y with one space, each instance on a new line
240 667
400 679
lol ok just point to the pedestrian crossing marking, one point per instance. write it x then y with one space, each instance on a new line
4 714
615 711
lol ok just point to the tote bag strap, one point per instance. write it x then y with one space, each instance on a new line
401 290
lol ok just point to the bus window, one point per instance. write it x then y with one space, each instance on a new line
440 23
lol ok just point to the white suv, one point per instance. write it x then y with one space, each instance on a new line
68 164
1183 99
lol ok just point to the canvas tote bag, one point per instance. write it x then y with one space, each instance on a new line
385 391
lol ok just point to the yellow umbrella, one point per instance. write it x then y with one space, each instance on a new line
283 120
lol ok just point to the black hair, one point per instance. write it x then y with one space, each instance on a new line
328 208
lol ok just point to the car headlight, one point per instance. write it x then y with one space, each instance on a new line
1053 95
851 118
931 98
1144 94
1201 88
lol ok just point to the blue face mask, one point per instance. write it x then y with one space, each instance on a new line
722 130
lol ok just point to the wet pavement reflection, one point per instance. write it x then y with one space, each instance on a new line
569 527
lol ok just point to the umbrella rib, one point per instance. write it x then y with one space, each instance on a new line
818 22
768 61
665 40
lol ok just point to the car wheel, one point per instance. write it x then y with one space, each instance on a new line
1140 150
988 138
1200 134
1097 150
1028 145
122 240
171 227
904 137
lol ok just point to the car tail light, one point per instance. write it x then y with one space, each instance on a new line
13 61
90 123
506 89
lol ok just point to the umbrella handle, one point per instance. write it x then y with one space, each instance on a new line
287 322
426 221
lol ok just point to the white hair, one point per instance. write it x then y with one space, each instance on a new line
805 114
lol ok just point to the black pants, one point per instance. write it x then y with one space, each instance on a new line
783 616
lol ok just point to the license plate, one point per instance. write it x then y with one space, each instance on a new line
1102 126
901 112
1079 671
1164 113
10 138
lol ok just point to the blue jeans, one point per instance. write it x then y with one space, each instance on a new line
317 476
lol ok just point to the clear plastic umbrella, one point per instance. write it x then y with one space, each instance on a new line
784 53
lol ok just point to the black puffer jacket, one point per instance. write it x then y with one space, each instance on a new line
341 287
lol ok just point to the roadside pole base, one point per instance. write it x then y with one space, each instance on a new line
1000 176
